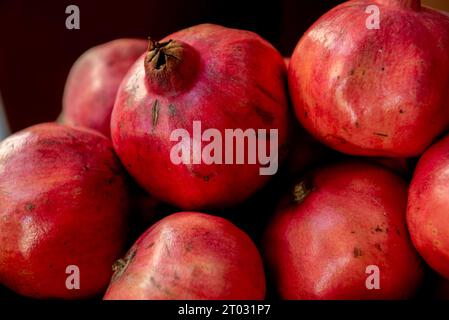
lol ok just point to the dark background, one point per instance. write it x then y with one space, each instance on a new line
37 51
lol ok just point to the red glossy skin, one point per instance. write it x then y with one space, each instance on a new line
428 207
63 201
353 217
190 256
93 82
374 92
224 88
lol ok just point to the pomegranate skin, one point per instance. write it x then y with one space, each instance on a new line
342 219
192 256
63 203
217 79
374 92
428 207
93 82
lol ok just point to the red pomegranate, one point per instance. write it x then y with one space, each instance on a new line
428 207
93 81
369 91
204 81
63 205
186 256
342 235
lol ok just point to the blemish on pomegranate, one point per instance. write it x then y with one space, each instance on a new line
378 246
357 252
302 190
189 246
266 92
155 112
30 207
120 266
150 245
380 134
172 110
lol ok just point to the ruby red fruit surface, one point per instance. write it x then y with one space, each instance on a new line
224 79
189 256
342 234
63 204
374 91
428 207
92 84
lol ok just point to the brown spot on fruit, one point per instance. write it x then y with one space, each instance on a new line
30 206
266 92
357 252
155 113
172 110
120 266
150 245
302 190
379 229
189 246
380 134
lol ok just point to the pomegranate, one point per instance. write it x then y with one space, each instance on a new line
190 255
63 205
428 207
207 77
93 81
376 92
342 235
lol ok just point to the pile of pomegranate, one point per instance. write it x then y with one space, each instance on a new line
205 165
